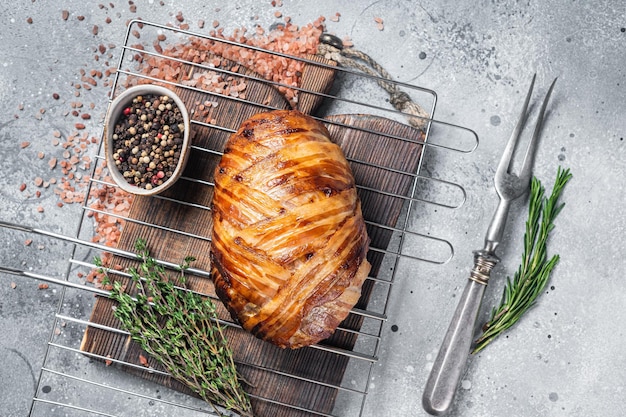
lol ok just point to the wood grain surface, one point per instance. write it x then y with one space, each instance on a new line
178 223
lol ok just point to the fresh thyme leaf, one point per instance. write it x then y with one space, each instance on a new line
181 330
534 271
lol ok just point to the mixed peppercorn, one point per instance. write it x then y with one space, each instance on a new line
148 140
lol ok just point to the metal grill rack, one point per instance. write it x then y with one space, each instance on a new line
86 385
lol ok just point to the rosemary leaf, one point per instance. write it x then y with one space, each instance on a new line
181 330
533 274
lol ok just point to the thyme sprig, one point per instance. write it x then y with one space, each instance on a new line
534 271
181 330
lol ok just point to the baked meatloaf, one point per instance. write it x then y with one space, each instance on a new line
289 244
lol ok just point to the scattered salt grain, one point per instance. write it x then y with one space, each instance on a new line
379 23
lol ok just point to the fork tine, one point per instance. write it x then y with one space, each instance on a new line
505 160
527 165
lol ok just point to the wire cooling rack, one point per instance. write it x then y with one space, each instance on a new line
93 384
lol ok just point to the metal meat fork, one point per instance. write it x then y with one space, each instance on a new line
450 362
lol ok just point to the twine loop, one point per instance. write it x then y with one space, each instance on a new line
331 48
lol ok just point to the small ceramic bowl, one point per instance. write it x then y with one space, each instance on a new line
116 114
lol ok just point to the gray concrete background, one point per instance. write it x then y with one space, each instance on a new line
565 358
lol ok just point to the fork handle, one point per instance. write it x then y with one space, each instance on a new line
452 357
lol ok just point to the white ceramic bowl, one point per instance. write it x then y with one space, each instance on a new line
116 110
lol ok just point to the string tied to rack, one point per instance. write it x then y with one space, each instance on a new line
332 48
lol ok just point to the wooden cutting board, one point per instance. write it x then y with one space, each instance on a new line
174 230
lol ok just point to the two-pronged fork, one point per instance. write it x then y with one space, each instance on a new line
450 362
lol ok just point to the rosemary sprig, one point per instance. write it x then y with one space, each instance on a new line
181 330
535 269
